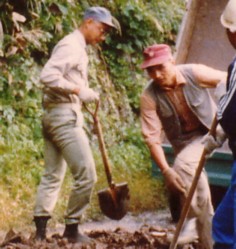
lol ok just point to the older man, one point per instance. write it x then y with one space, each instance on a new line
176 101
64 78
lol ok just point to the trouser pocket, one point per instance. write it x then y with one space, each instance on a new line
58 118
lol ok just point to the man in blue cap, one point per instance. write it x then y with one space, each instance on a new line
65 87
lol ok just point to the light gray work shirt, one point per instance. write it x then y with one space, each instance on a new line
65 70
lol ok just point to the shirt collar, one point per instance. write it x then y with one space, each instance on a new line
80 38
180 80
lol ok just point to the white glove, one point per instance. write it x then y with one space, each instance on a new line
211 143
88 95
174 181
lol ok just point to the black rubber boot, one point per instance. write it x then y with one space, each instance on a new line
41 224
74 236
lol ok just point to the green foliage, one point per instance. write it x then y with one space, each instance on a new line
31 29
142 25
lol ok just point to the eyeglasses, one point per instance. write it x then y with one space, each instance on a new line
102 29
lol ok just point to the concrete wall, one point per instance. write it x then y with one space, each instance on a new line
202 39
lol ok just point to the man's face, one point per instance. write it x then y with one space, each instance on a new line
231 37
164 75
97 32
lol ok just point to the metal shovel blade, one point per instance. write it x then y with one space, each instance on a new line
114 201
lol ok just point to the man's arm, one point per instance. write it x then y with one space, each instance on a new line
208 77
64 59
152 130
60 63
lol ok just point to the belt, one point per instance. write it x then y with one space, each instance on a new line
62 105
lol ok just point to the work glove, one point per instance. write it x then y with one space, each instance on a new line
174 181
212 142
87 95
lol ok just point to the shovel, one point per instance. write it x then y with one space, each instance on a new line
113 200
192 189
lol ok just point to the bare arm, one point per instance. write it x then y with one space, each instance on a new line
152 131
208 77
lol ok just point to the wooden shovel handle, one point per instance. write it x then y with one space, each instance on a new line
192 189
101 142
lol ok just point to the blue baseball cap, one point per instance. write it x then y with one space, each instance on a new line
99 14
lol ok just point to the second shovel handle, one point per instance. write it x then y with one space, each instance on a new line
192 189
101 142
103 151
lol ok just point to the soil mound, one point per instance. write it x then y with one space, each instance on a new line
147 237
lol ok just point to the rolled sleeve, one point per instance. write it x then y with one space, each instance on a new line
152 130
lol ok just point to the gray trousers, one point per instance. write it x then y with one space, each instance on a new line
66 144
201 207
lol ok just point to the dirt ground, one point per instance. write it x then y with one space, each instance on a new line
144 231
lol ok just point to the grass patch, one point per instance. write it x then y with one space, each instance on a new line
21 172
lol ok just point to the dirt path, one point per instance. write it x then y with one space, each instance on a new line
144 231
